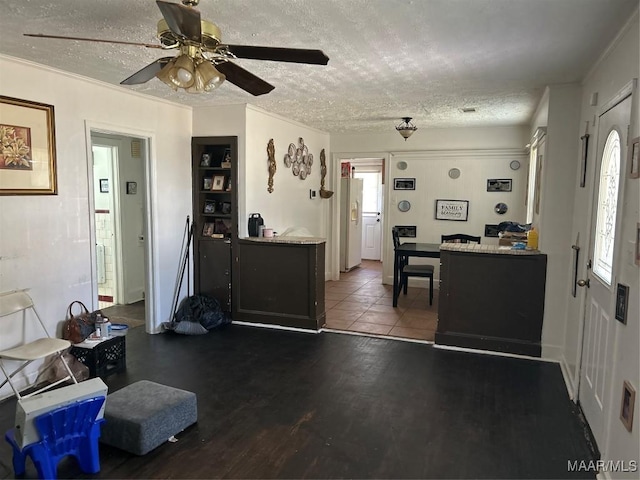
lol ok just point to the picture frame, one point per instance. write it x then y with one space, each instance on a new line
205 160
217 183
104 185
132 188
455 210
627 405
206 183
345 170
225 208
226 159
491 230
622 302
27 131
407 231
499 185
404 183
584 140
208 229
634 158
209 206
638 244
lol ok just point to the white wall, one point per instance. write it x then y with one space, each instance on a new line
618 66
45 240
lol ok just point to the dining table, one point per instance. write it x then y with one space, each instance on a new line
410 249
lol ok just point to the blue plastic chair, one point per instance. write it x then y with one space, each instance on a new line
69 430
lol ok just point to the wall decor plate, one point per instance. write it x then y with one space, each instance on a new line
514 165
501 208
402 165
454 173
404 205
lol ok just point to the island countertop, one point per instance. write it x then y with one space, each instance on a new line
289 240
479 248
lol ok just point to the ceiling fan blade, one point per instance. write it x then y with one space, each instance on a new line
40 35
295 55
244 79
183 21
147 73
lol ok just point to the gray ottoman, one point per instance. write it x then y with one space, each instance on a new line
143 415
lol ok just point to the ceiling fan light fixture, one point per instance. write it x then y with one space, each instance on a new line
209 75
182 73
406 128
163 75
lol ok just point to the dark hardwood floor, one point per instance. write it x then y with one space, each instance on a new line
280 404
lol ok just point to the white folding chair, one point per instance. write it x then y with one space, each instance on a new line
15 305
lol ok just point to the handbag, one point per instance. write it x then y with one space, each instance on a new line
78 327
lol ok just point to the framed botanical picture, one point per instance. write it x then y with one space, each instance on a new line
404 183
28 148
499 185
217 183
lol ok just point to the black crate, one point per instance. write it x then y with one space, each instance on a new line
107 357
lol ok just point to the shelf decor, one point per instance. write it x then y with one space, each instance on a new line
271 161
28 149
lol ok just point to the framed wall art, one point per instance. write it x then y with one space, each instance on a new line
622 302
104 185
499 185
28 153
407 231
132 188
404 183
634 158
217 183
627 406
457 210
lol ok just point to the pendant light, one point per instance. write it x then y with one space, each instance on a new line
406 128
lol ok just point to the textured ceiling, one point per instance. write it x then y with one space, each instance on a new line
426 59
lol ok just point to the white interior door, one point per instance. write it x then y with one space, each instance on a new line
371 213
599 328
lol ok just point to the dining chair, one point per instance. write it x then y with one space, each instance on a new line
16 306
406 270
460 238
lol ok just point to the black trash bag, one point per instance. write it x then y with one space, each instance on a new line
197 315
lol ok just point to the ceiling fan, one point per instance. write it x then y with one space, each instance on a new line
203 62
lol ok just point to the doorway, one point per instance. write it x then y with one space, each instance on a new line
120 216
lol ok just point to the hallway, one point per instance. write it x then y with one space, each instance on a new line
359 302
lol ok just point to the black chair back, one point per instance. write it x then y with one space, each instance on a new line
396 237
460 238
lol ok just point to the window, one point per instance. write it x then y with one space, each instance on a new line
606 208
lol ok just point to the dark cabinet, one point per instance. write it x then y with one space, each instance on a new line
215 215
492 301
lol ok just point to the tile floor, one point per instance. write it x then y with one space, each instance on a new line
359 302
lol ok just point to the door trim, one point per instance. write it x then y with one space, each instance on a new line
151 196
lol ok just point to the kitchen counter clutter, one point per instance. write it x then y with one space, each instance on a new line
280 281
287 239
493 249
491 298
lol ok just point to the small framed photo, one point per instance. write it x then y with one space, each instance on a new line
226 159
207 182
634 158
209 206
404 183
409 231
622 302
208 229
104 185
457 210
499 185
217 183
132 188
205 160
491 230
225 208
627 405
